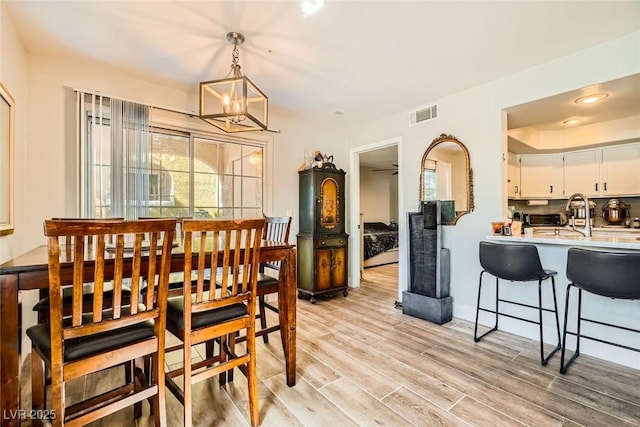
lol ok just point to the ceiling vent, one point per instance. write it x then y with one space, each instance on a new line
423 114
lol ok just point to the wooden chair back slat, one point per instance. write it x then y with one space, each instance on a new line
68 240
78 272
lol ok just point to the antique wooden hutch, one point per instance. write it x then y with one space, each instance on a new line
322 241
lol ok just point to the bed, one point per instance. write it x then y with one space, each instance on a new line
379 244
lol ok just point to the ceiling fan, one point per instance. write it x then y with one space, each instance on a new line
395 169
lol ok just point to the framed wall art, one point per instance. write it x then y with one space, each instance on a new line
7 131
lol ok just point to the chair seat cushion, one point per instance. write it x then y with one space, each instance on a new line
87 297
266 280
266 284
78 348
173 286
263 280
175 314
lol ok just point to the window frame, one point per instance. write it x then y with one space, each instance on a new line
183 124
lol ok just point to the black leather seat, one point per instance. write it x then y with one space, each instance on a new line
87 298
79 348
607 274
516 263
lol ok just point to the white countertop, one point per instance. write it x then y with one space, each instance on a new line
624 241
616 230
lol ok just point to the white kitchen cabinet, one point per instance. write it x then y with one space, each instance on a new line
541 176
513 176
582 172
620 173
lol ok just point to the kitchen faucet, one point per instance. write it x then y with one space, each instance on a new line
587 214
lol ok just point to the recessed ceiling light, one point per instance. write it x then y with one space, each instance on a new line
570 122
590 99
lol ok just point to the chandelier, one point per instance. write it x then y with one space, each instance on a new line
233 104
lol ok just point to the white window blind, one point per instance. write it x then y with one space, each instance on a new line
115 157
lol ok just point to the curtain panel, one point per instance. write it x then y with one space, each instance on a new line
115 156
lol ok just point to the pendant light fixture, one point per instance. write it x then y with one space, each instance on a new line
234 104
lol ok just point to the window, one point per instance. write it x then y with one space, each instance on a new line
430 181
133 165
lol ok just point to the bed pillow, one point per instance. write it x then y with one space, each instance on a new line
372 227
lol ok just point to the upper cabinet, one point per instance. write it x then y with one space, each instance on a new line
597 172
603 172
541 176
513 176
619 173
582 172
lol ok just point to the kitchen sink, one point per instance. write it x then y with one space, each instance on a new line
555 231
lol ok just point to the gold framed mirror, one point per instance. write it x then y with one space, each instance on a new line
6 160
446 175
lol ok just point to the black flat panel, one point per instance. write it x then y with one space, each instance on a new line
448 211
430 215
423 256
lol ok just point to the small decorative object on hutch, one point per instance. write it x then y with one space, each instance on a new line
322 241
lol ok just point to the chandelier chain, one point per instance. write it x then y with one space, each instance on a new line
235 57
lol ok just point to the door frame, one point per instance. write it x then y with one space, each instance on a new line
354 191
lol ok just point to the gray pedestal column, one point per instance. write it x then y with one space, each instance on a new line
428 296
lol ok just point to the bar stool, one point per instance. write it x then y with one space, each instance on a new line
516 263
607 274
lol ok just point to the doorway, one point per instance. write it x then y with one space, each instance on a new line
376 164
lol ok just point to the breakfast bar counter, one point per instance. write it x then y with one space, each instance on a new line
617 241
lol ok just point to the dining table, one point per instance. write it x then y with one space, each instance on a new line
29 271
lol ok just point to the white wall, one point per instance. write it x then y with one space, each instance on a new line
300 134
378 195
475 117
13 72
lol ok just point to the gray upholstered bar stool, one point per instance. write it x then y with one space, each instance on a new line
516 263
607 274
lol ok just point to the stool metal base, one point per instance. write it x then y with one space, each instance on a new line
565 366
543 359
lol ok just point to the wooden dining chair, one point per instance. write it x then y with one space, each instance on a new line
277 230
231 249
83 343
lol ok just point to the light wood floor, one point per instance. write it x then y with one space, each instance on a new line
362 362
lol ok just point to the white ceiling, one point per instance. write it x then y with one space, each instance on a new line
364 59
383 158
623 101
